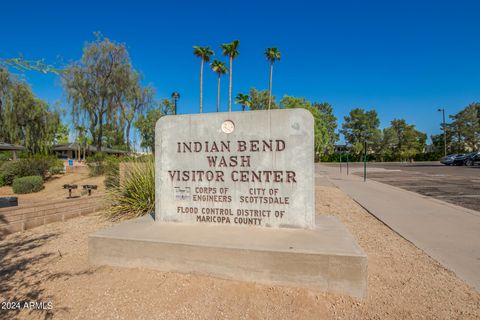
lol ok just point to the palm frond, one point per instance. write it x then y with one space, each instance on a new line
219 67
231 49
203 52
272 54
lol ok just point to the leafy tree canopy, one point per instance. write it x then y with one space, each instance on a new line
259 100
146 123
465 128
360 126
25 119
105 92
325 137
402 140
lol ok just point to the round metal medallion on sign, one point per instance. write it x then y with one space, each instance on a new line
228 126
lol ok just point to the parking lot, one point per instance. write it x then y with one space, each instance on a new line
455 184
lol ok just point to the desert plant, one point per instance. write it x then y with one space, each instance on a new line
4 156
9 171
27 184
95 164
111 168
37 166
135 196
19 168
102 164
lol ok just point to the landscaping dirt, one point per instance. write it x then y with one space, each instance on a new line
53 188
50 264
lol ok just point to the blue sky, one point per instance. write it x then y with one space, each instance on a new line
403 58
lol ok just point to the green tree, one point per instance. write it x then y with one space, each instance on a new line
25 119
360 126
133 102
438 142
22 64
5 100
259 100
146 123
466 127
331 122
203 53
62 134
231 51
219 68
82 140
404 140
321 131
243 99
272 55
95 83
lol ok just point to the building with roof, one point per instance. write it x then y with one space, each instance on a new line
75 151
11 147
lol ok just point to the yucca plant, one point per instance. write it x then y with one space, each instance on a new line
135 195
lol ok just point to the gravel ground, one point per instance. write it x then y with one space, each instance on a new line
53 189
49 264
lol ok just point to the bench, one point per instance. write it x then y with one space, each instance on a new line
89 188
70 187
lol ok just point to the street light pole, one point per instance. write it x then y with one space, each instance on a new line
365 161
444 125
175 97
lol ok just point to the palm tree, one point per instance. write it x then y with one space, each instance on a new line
204 53
272 55
230 50
243 99
220 68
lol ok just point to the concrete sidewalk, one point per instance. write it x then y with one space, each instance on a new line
448 233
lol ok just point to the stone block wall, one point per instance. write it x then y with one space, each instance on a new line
14 219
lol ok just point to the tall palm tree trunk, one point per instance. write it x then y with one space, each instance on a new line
230 87
218 93
270 91
201 85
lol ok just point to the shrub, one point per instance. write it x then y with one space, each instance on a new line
2 180
101 164
96 164
10 171
112 171
136 195
27 184
36 166
4 156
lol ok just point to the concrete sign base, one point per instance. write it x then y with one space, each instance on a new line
325 258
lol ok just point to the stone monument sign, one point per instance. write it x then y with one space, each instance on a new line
253 170
249 168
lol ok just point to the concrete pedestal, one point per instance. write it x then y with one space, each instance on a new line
326 258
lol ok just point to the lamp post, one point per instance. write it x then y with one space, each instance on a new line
175 97
365 161
444 125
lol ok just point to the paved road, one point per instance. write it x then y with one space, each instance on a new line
448 233
453 184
